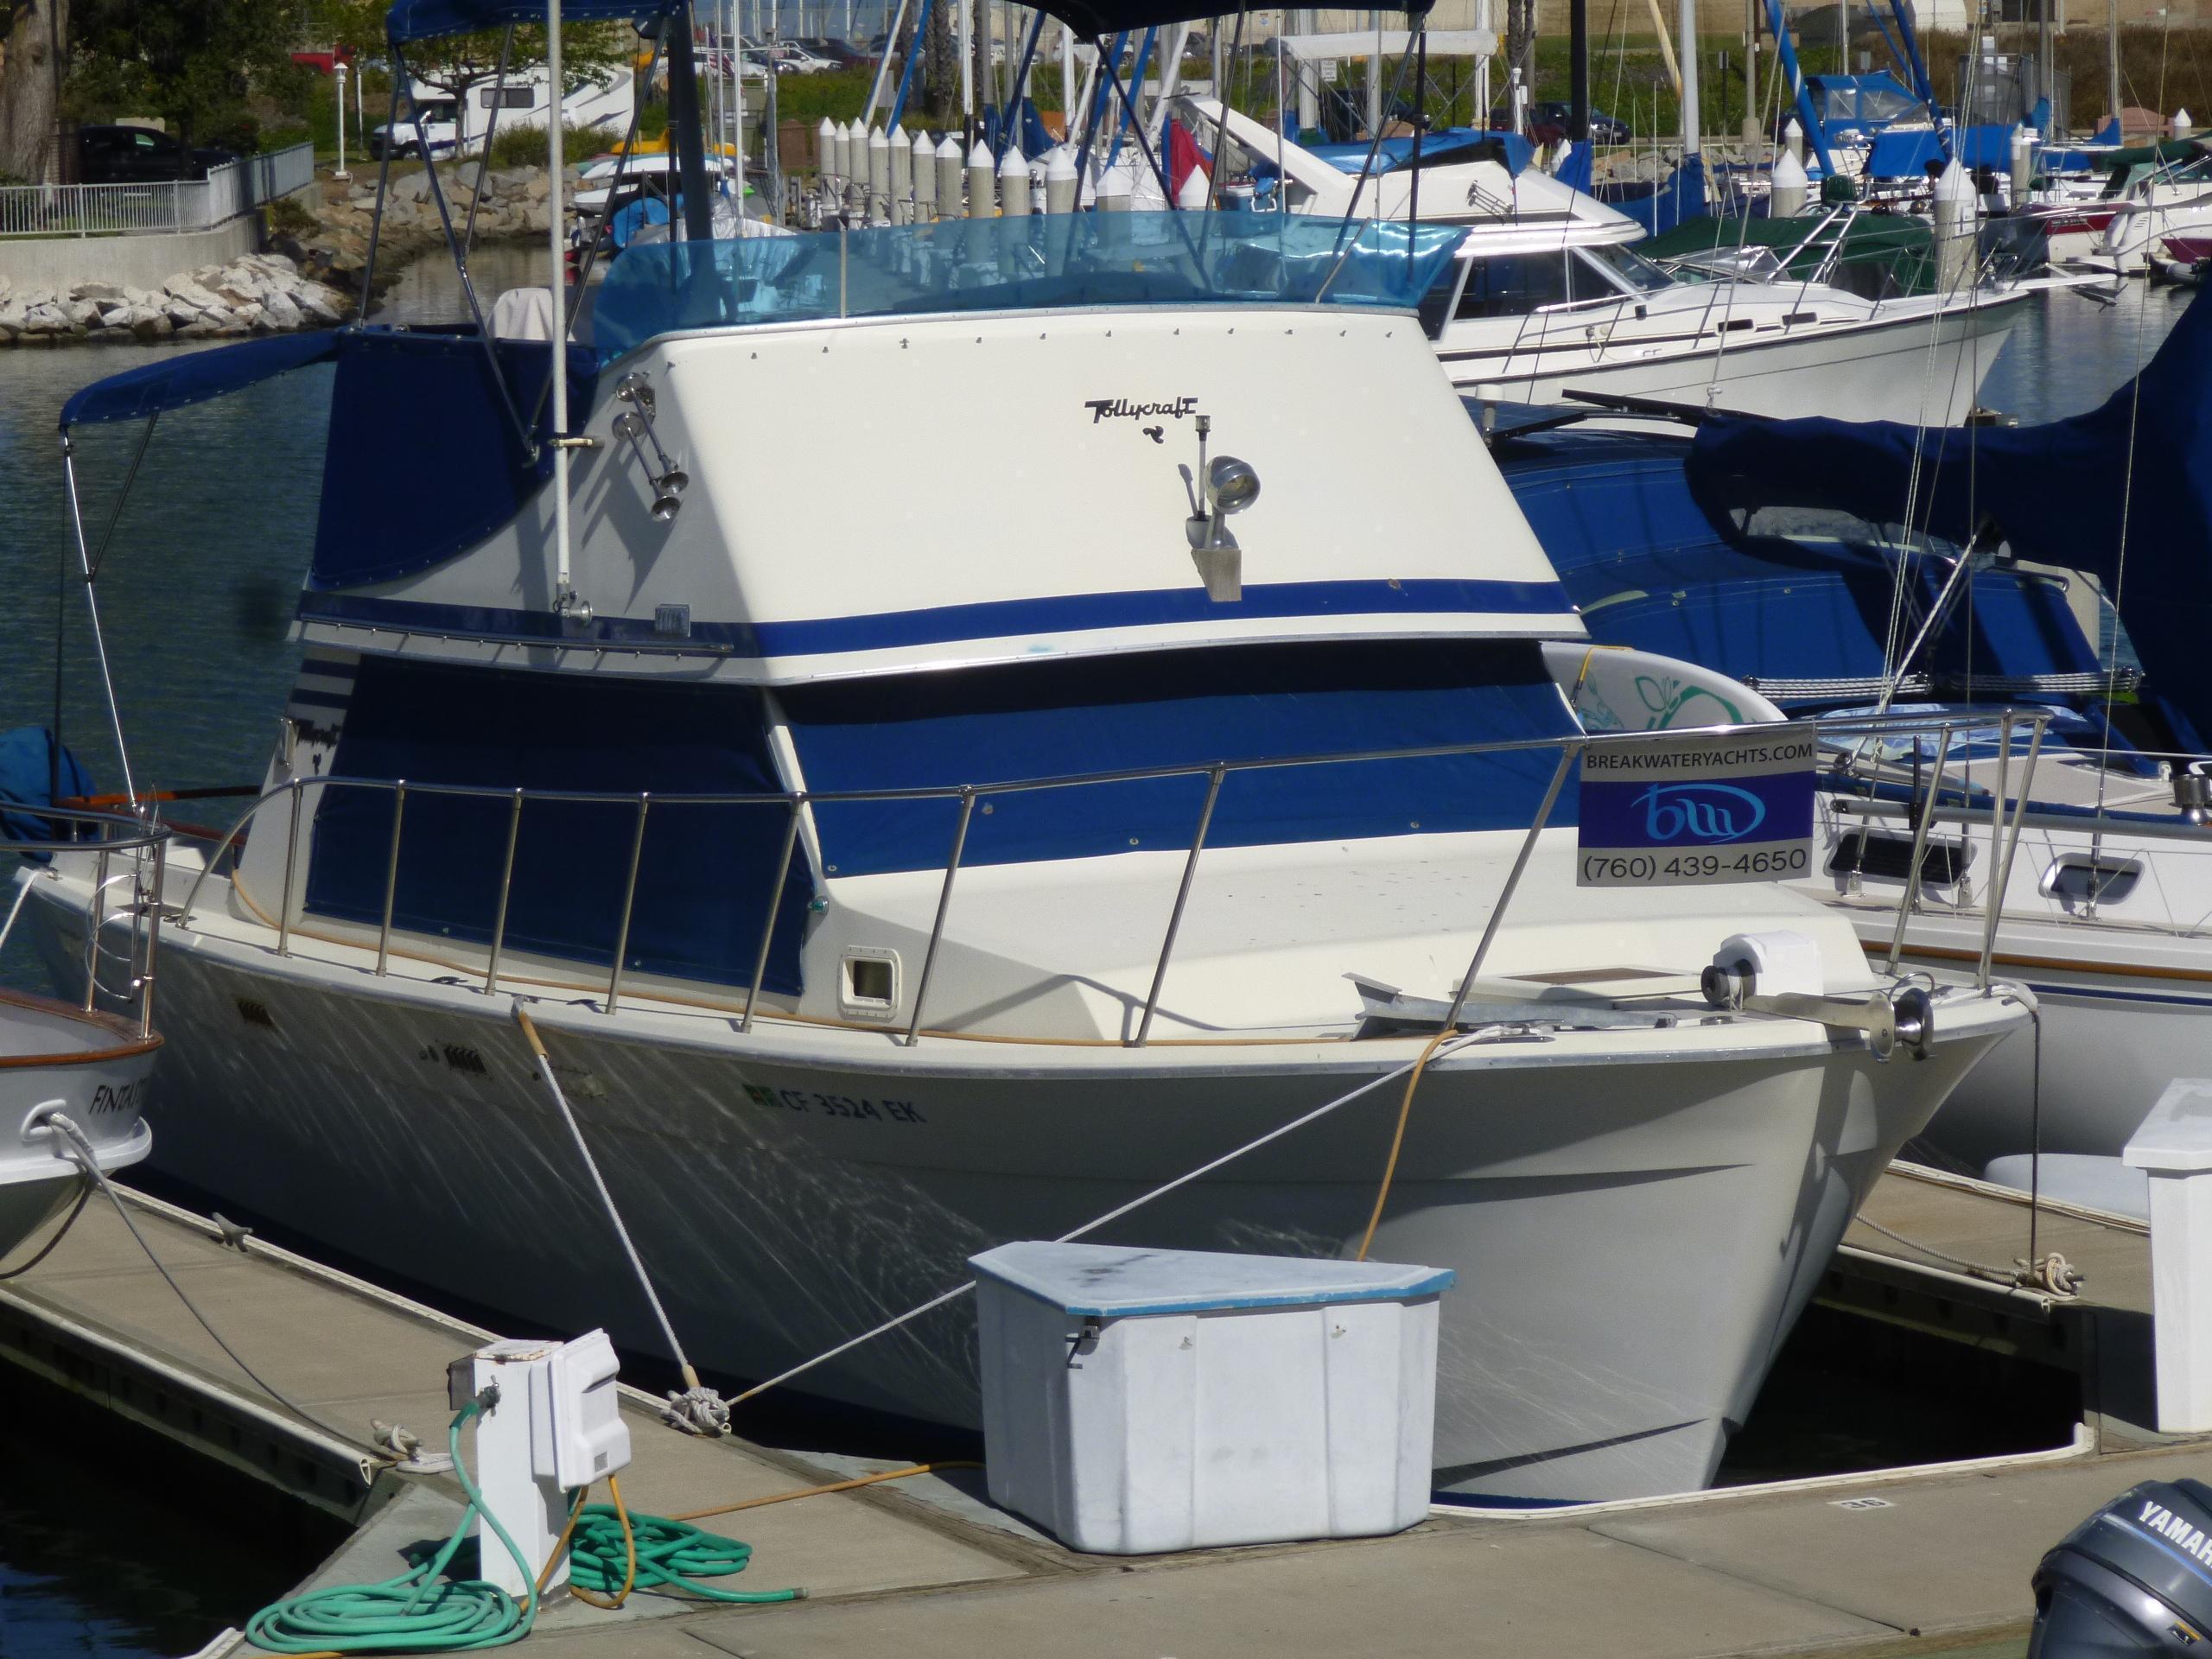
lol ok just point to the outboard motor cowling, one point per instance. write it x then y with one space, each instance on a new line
2134 1578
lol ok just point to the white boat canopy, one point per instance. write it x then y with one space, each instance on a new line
1389 43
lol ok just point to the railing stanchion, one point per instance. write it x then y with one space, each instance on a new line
944 902
1570 751
390 876
768 921
629 903
291 854
1995 903
153 941
506 886
1919 839
92 938
1182 897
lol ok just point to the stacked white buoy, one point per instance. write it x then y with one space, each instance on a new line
2024 162
1197 190
2183 125
1060 181
879 176
825 146
982 204
948 177
902 175
856 168
922 161
1787 186
1955 214
1792 139
1013 183
1114 191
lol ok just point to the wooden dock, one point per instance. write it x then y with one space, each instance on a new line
1930 1562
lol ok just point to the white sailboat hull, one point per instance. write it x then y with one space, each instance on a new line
1909 364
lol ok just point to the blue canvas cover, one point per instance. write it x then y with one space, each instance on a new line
173 381
2126 486
35 772
423 459
1660 208
1652 565
704 871
1906 155
1189 707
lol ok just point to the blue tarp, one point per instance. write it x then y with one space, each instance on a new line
34 772
1043 260
1906 155
1653 565
1575 167
2132 478
1185 707
703 875
173 381
1679 196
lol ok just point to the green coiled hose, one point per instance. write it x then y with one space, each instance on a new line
419 1612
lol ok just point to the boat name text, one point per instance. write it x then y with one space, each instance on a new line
1120 409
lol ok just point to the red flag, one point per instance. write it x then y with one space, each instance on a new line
1184 157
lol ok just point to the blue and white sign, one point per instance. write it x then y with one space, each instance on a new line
1662 812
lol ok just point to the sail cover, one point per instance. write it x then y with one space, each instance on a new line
2123 490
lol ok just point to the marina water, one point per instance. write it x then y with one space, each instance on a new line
218 531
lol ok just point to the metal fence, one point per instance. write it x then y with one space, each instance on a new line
168 208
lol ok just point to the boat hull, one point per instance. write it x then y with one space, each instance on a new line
97 1070
1893 368
1633 1240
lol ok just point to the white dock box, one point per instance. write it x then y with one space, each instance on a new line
1137 1401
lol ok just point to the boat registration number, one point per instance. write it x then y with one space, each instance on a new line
813 1100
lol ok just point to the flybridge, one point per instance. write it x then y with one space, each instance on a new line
1051 262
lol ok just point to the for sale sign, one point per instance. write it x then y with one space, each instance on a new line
1665 811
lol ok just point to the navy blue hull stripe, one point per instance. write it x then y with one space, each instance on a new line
2102 996
998 618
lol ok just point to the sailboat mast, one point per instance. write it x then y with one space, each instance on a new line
1690 124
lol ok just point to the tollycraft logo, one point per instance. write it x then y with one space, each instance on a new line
1120 409
1699 812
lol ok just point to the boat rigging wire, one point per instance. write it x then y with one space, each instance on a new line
696 1408
57 1121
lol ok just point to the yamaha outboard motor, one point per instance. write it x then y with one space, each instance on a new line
2134 1578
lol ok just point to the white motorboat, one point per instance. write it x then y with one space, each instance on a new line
90 1066
929 869
1547 297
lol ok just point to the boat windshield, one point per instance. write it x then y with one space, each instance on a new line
1632 267
1056 261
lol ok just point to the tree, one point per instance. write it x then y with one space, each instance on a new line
32 33
192 62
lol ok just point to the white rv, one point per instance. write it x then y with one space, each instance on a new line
439 123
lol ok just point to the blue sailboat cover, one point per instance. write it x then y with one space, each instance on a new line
2123 490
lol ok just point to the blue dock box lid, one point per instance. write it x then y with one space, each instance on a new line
1119 1281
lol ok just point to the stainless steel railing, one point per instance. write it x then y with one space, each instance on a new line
797 805
142 851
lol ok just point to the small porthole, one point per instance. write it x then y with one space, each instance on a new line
868 984
2078 879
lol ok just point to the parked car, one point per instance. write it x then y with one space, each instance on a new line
843 54
142 156
793 59
1549 119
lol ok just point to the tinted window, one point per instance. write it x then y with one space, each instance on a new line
1509 285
